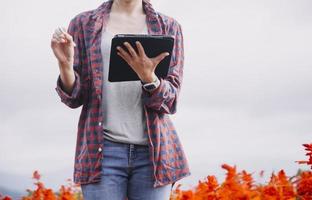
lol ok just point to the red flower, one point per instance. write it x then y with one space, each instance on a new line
36 175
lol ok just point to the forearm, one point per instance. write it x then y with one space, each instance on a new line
164 98
68 84
67 76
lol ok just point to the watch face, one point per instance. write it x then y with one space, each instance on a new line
149 87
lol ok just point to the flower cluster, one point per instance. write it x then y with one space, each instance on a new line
236 186
241 186
70 192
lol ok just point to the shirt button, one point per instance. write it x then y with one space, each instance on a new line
100 123
100 149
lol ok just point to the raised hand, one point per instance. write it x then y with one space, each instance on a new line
63 45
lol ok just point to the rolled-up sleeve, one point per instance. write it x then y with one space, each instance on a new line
74 99
164 99
69 99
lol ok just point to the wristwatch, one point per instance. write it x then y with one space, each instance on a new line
152 85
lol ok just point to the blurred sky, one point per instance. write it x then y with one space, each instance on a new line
246 96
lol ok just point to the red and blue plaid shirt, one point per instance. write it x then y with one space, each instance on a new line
167 155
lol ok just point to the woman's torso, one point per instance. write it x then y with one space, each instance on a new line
122 103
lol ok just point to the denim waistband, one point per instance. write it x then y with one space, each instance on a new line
123 144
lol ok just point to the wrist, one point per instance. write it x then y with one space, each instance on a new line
151 86
149 79
65 65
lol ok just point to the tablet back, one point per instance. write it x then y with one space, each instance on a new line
153 45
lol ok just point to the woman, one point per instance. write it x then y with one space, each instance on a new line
127 146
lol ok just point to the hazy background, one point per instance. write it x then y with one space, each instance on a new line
246 96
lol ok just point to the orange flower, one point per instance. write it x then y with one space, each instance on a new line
304 185
308 148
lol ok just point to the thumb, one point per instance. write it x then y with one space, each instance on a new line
69 38
160 57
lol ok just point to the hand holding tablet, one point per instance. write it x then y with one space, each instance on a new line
139 57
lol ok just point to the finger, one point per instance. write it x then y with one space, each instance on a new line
68 37
62 29
140 48
118 53
63 32
56 37
61 39
123 57
59 35
58 32
160 57
124 54
131 50
55 41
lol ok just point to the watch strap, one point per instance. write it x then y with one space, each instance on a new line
151 86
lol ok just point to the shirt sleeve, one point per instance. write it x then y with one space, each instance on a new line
164 98
74 99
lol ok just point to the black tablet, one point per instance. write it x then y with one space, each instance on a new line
153 45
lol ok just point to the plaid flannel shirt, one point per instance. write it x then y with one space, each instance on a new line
166 152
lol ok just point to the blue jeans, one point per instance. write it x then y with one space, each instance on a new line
127 173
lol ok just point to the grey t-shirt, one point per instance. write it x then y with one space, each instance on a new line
124 119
